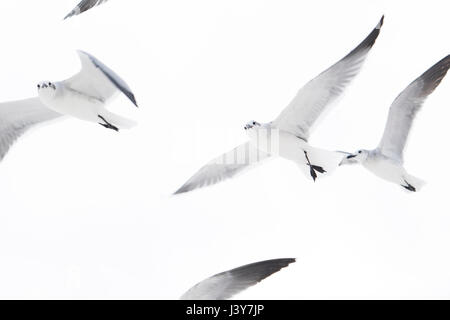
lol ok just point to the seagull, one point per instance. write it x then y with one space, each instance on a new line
83 6
83 96
224 285
386 161
287 136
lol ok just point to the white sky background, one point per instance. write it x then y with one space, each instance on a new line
87 213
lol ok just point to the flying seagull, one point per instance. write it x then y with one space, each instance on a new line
226 284
386 161
287 136
83 96
83 6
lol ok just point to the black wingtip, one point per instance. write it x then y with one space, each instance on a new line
288 261
282 263
380 24
259 271
133 99
369 41
112 76
274 263
434 75
444 61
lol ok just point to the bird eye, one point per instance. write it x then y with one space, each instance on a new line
254 122
359 151
39 86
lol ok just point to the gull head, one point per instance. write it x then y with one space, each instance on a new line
357 157
46 88
251 129
46 85
252 125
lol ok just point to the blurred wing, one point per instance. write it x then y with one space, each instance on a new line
83 6
311 101
405 107
16 117
225 285
97 80
225 167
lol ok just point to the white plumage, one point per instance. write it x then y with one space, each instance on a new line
83 96
386 161
287 136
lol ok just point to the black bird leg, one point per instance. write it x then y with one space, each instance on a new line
313 168
409 186
107 125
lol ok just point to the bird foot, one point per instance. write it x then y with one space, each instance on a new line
107 125
409 186
313 169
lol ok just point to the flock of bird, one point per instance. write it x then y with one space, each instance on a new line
86 95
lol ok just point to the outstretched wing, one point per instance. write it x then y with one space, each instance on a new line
311 101
16 117
405 107
225 167
225 285
97 80
83 6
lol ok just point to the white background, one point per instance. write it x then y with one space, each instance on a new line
88 213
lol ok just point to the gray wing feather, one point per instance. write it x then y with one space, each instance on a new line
83 6
226 284
311 101
16 117
224 167
405 107
114 78
98 80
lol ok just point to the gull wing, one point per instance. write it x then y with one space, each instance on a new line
97 80
83 6
16 117
405 107
313 99
226 284
225 167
